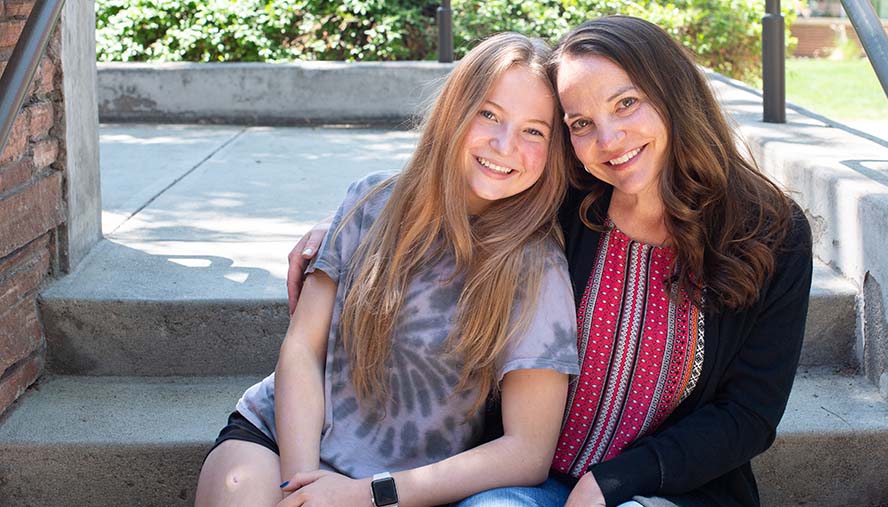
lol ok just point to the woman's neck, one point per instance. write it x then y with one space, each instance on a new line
642 218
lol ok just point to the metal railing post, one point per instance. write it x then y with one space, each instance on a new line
872 36
23 62
773 64
445 32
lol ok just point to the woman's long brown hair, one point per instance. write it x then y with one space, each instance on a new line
724 216
502 253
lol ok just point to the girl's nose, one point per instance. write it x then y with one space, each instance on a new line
504 141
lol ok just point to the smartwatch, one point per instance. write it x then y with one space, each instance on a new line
383 490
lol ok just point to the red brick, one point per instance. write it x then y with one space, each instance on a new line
43 81
18 140
40 119
15 174
19 379
20 333
10 263
19 8
22 276
31 212
45 153
10 31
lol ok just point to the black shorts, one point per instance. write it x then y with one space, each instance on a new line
239 428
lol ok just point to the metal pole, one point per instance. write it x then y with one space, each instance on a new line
872 36
22 65
773 64
445 32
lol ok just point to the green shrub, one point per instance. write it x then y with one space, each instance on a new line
724 34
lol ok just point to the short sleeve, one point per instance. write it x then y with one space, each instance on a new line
550 340
363 201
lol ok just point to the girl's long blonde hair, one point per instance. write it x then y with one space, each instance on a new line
503 253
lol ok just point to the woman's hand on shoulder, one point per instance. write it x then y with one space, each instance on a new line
586 493
300 256
322 488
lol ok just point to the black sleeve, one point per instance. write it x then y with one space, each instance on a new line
740 421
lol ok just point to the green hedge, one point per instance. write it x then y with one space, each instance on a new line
725 34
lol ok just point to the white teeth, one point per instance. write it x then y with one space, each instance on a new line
493 167
625 158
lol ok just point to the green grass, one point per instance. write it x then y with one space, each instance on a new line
838 89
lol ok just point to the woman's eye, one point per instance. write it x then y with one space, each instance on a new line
535 132
488 115
628 102
579 124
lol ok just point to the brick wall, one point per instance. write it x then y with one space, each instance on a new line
817 36
31 209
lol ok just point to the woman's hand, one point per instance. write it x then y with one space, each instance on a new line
325 489
586 493
299 257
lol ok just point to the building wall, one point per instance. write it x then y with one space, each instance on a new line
32 209
817 36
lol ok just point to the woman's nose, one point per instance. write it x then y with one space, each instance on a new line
609 135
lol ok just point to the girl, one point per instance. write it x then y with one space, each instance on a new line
434 288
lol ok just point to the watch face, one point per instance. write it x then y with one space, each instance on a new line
384 492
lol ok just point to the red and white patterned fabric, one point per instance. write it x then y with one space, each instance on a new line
641 347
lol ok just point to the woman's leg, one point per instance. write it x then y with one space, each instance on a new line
548 494
236 473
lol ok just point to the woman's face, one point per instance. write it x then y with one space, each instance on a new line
507 143
615 130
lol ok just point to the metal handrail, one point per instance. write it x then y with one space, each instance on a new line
445 32
23 63
872 36
869 30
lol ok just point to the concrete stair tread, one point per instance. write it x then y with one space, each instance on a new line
117 315
115 437
128 411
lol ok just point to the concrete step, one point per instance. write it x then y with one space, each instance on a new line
831 447
77 441
96 441
131 312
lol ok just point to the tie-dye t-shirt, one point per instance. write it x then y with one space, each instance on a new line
423 421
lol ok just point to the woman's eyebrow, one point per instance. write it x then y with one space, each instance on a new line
621 91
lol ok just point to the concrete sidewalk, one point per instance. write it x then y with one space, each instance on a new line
216 209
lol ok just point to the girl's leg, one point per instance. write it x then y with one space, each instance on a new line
239 473
548 494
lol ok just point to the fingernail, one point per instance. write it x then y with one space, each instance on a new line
284 484
307 251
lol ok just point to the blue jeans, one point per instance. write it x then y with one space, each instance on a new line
551 493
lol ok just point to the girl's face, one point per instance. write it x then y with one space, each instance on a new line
615 130
507 143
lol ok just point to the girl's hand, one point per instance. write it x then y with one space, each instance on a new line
586 493
325 489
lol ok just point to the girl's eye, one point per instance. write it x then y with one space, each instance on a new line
487 114
628 102
535 132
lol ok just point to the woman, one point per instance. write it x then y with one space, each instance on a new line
691 274
435 288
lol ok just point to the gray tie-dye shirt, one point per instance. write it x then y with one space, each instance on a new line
423 422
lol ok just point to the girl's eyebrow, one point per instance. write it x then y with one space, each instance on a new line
494 104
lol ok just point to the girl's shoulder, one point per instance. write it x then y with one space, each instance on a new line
370 190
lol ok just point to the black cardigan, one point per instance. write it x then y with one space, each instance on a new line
700 456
